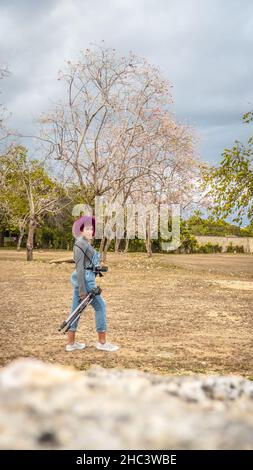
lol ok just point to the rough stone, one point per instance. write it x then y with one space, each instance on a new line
45 406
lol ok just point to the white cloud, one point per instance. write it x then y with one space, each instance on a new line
203 47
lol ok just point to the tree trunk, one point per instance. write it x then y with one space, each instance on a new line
29 244
148 247
117 244
20 238
2 238
126 245
148 239
108 241
102 244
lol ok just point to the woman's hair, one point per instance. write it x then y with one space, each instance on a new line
82 227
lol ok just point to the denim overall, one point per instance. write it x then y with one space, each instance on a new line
97 303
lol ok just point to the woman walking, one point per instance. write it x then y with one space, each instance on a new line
83 281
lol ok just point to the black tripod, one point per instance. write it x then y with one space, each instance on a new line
65 326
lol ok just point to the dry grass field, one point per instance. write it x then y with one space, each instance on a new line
170 314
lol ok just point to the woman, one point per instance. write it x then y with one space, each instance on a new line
83 281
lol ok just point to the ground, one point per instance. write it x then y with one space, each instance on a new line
170 314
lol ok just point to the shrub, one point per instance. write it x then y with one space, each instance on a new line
234 248
209 248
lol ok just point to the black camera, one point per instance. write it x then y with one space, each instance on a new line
99 270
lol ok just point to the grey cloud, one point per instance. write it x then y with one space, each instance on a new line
203 47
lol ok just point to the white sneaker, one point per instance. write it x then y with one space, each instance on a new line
107 347
76 345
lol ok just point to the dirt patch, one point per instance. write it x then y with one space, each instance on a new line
161 312
241 285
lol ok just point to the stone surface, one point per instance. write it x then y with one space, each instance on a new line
45 406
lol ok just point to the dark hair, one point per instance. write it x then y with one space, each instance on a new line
82 227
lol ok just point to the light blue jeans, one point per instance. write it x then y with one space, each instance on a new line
97 303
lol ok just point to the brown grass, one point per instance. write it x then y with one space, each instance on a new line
168 313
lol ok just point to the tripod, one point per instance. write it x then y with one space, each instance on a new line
65 326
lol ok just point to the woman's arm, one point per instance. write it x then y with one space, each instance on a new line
79 260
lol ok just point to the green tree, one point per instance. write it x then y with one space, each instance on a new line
28 193
199 225
230 184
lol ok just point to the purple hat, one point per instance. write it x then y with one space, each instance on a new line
86 220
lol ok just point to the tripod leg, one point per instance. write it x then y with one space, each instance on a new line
75 303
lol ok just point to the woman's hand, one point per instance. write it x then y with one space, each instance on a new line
83 296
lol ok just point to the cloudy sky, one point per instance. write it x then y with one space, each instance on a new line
204 48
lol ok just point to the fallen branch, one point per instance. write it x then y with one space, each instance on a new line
62 260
